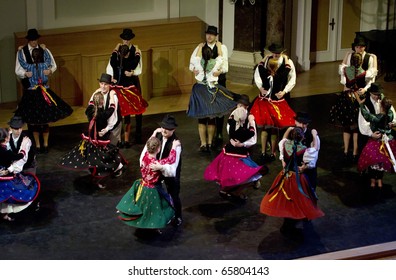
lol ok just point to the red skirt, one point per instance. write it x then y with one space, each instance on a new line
284 199
130 100
271 113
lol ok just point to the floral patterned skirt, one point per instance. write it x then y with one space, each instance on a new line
144 207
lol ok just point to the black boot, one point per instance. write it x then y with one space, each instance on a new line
138 134
290 230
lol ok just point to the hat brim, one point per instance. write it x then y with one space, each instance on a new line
212 33
243 101
303 120
277 51
16 125
104 81
32 38
167 126
358 45
130 37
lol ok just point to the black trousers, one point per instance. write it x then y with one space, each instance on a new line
173 188
220 120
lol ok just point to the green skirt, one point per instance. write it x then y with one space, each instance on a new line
144 207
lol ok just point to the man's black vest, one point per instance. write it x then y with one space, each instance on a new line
280 79
365 63
369 104
308 138
31 155
167 149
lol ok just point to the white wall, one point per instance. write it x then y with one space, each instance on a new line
373 15
13 18
193 8
49 14
67 13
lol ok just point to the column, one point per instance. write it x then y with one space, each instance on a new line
249 27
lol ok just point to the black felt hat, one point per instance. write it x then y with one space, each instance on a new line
243 99
32 34
276 48
16 122
375 89
211 30
105 78
359 41
127 34
303 117
168 122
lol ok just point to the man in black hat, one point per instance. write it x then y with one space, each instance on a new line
277 52
283 73
302 120
170 172
372 102
32 38
211 39
369 61
114 121
126 78
18 139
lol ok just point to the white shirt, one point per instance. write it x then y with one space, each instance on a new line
17 166
371 72
364 126
224 64
210 78
114 117
310 156
20 72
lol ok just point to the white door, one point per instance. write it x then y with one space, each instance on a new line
333 25
328 29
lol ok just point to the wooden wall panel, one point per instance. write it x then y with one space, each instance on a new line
170 70
93 67
147 75
67 80
183 54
